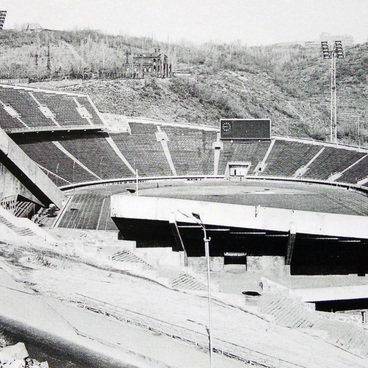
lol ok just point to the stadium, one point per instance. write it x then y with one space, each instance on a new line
284 221
69 141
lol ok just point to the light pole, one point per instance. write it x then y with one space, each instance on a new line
358 128
206 239
336 52
57 172
73 172
136 182
101 161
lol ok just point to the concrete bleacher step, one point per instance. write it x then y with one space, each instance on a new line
347 335
126 256
185 281
20 231
287 311
22 227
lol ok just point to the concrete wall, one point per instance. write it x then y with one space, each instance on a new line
271 264
20 168
232 215
10 186
160 256
200 263
331 293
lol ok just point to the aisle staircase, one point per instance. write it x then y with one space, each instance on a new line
287 311
126 256
185 281
21 227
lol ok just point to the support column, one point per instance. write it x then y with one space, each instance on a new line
178 240
290 245
290 249
217 147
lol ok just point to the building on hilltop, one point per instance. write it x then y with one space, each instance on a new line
155 64
32 27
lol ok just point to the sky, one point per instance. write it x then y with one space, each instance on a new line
252 22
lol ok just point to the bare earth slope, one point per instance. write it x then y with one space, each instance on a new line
79 279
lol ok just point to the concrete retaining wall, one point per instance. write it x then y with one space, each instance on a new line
22 175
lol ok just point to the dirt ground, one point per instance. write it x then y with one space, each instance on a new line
91 271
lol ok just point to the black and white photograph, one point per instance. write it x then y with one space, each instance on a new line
183 183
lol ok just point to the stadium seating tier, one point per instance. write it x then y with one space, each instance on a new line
83 156
142 150
191 150
331 161
94 151
27 102
287 157
239 151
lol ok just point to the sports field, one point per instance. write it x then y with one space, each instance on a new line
89 208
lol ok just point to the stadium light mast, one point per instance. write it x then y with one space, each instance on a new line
2 18
333 53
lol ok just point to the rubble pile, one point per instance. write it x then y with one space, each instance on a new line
16 356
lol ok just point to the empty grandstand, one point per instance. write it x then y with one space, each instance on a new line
32 109
156 149
281 208
67 137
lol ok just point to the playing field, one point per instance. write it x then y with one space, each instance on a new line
89 208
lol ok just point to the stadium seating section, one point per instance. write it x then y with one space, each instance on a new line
89 156
84 101
7 121
27 102
27 108
94 151
63 107
155 149
357 172
287 157
331 161
55 161
251 151
191 150
88 211
142 150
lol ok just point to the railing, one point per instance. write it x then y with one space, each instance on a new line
145 120
205 177
54 128
196 338
141 179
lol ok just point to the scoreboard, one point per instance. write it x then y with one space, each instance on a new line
245 129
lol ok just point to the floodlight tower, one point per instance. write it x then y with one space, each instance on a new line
2 18
333 53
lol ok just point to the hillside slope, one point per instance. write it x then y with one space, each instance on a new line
204 99
290 84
